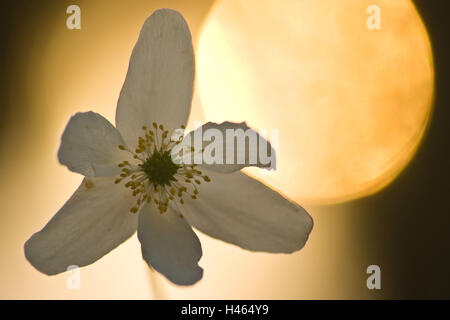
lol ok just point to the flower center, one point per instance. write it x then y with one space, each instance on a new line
160 168
156 178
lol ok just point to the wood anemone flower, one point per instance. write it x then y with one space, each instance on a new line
132 183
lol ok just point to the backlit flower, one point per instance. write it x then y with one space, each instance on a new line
132 182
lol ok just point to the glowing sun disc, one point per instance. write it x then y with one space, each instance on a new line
351 103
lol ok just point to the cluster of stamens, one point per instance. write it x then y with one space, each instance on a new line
157 178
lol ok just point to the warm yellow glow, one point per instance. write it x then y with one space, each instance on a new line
72 71
351 103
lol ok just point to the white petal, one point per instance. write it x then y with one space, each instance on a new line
241 210
159 83
170 245
89 145
95 220
227 147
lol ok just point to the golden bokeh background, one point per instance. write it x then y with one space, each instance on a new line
57 72
351 103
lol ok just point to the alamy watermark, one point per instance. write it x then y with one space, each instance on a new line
74 20
374 280
373 22
226 144
73 282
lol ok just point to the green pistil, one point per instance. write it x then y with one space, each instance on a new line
160 168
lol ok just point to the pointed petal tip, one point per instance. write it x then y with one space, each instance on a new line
166 14
33 258
159 83
75 236
194 276
166 11
170 246
89 145
238 209
304 235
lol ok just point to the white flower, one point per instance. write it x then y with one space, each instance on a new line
132 184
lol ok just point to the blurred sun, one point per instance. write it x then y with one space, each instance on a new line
351 104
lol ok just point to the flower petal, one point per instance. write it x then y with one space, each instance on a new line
95 220
170 245
89 145
241 210
227 147
159 82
